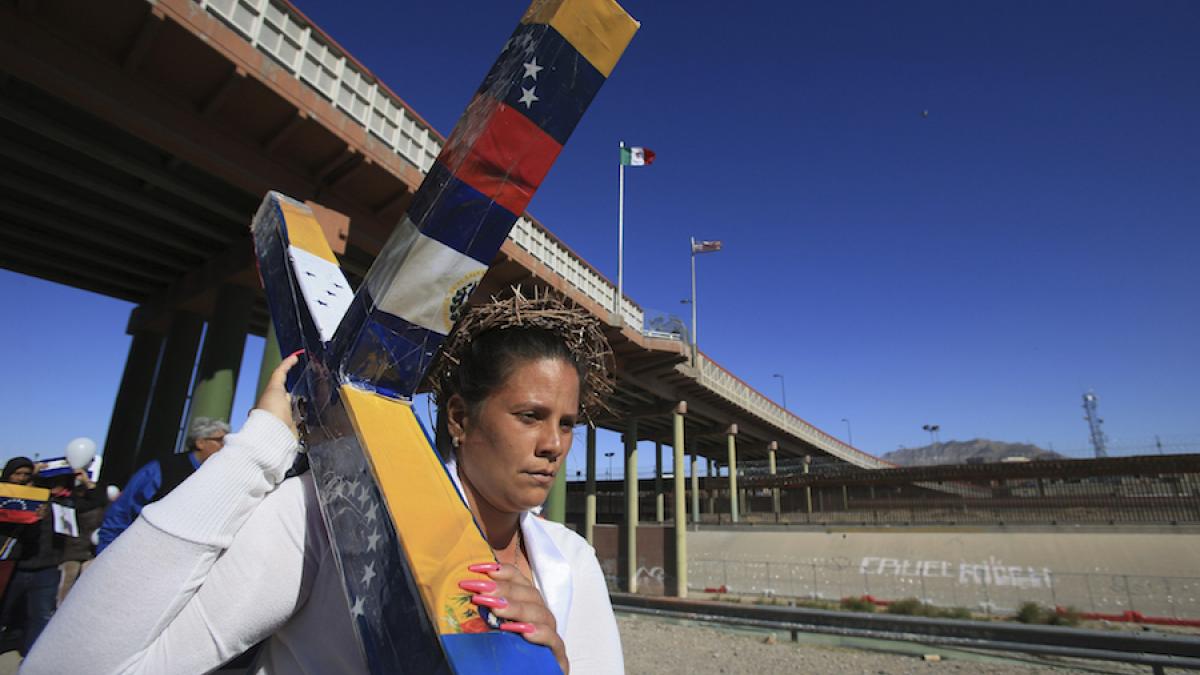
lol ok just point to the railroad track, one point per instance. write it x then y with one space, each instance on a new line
1152 649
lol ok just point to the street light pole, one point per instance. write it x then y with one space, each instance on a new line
620 239
609 455
783 388
849 435
695 328
932 429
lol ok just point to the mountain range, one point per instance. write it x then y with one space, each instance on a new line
975 451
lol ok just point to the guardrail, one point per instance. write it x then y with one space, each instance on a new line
1158 651
729 386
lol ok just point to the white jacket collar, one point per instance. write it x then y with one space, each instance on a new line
552 572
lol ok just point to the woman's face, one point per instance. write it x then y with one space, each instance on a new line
21 476
517 439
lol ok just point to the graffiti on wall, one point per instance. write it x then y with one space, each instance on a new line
991 572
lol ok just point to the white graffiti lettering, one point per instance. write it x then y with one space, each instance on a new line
992 572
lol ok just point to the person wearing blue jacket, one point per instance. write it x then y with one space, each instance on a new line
156 479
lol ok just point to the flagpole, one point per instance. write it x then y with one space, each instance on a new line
620 239
695 342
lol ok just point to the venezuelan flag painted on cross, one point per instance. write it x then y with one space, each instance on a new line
402 534
498 154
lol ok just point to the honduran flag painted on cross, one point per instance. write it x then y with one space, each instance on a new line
548 72
19 503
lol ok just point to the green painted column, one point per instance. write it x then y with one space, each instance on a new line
677 445
731 444
129 408
556 502
589 515
271 359
658 483
221 357
631 504
695 489
167 400
771 448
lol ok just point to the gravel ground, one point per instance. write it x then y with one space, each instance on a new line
662 648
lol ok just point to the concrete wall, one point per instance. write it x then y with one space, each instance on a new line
1155 573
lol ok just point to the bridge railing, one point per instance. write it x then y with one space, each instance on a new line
283 33
730 387
546 249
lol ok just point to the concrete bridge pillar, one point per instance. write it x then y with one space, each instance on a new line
658 483
731 443
771 448
681 570
129 409
221 357
589 515
631 504
807 490
270 360
170 388
695 490
713 471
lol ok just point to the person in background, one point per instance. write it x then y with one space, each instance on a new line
156 479
29 599
88 502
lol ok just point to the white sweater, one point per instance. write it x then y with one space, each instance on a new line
229 559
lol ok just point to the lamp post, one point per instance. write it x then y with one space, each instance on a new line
933 430
609 455
849 435
698 247
782 388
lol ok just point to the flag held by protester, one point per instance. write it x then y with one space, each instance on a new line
634 156
20 503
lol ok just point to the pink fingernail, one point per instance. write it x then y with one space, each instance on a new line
298 352
518 627
489 601
484 568
477 585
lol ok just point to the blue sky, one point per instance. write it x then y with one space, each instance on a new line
1033 237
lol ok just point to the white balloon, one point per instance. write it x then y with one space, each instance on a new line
80 452
113 492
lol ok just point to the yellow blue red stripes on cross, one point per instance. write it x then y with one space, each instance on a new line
495 159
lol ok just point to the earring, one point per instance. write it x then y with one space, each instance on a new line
455 441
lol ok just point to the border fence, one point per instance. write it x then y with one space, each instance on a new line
1159 490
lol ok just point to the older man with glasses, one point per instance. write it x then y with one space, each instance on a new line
157 478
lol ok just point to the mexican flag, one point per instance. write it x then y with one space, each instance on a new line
637 156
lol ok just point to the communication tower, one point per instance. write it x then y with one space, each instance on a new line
1094 422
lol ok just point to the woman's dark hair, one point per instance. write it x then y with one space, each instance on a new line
487 361
11 467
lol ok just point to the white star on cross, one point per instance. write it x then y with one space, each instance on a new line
527 97
357 609
372 540
532 69
368 573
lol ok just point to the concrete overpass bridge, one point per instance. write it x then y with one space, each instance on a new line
138 138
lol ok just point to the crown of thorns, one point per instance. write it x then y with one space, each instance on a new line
544 310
